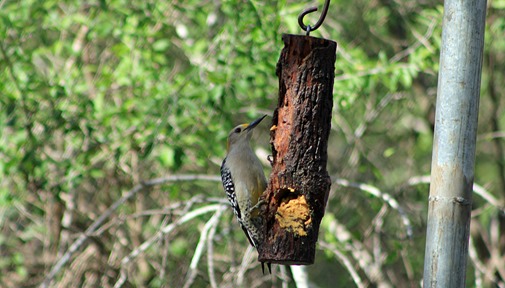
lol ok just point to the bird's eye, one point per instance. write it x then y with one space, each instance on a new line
238 130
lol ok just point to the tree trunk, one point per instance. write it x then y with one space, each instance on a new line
299 183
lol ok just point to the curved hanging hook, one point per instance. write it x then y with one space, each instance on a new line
309 28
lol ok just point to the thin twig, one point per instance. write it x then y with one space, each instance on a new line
164 249
373 113
384 196
420 40
76 245
477 189
210 255
83 237
491 136
345 261
201 245
378 223
374 71
407 263
165 230
358 251
496 257
245 264
479 266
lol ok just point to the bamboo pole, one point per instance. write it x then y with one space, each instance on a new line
452 170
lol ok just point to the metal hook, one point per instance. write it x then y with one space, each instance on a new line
310 28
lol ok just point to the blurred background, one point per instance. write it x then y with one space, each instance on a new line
98 97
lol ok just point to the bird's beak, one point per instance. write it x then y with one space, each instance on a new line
255 123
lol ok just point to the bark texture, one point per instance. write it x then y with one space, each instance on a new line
299 183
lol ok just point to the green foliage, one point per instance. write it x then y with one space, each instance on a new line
99 96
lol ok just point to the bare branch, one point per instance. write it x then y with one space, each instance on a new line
479 266
201 245
76 245
283 275
345 261
420 40
300 275
246 260
374 71
165 230
477 189
360 254
384 196
210 255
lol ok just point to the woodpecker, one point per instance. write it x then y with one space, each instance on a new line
244 181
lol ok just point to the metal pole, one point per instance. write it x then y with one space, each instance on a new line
452 169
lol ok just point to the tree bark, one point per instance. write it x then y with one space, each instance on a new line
299 183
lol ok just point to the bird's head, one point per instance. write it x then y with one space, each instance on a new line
242 132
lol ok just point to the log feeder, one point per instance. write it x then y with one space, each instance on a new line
299 183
